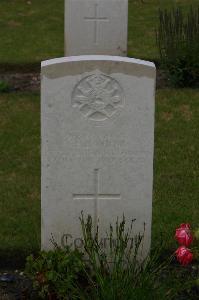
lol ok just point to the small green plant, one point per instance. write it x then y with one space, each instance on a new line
111 268
4 87
56 273
117 268
178 43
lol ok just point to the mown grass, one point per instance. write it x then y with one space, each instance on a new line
176 169
33 30
30 31
19 176
176 165
143 20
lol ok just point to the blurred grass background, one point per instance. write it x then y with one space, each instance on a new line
32 31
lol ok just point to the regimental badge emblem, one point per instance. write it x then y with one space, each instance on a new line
98 97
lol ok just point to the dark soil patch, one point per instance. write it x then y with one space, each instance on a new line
14 259
14 285
30 82
161 80
11 68
22 82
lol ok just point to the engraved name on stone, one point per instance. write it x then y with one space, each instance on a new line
98 97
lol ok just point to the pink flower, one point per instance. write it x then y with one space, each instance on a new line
184 255
183 235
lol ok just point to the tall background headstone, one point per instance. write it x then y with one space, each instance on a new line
97 144
96 27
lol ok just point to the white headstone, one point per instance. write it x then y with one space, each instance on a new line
96 27
97 144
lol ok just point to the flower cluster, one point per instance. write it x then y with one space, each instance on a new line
184 237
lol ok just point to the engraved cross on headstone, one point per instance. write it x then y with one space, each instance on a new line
96 19
96 196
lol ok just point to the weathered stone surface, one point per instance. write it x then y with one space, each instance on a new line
97 144
96 27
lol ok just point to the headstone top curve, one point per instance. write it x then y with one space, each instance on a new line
81 58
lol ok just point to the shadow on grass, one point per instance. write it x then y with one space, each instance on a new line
15 258
20 68
35 67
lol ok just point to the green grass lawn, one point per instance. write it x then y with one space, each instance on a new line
176 184
176 165
19 175
33 30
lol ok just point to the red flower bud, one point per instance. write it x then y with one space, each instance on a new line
184 255
183 235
